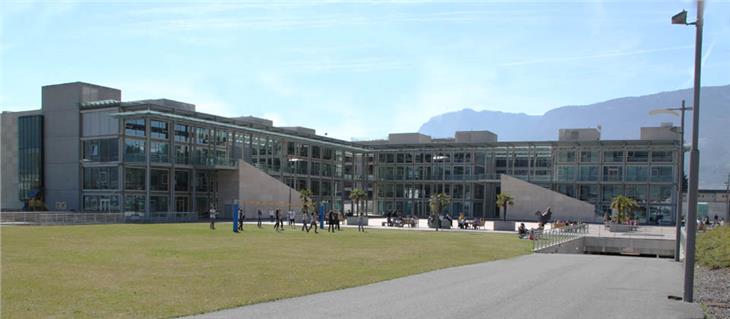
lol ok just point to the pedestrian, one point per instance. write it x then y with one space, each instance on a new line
331 216
360 223
271 216
340 219
292 216
241 217
278 221
259 218
305 221
313 224
212 216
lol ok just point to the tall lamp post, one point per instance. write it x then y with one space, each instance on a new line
694 154
680 172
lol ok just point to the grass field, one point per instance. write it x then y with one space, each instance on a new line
167 270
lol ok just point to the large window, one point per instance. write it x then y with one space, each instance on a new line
566 173
613 156
611 191
182 133
158 204
159 179
182 154
158 129
134 179
182 181
202 135
637 192
566 156
637 173
134 150
102 203
661 156
135 127
661 174
589 156
637 156
613 173
589 193
159 152
661 193
105 150
588 173
134 203
101 177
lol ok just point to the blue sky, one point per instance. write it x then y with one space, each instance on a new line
358 68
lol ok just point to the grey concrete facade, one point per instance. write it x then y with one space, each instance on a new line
10 196
530 198
256 190
62 130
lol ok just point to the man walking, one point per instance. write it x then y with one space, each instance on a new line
331 216
360 223
259 218
314 224
305 221
212 217
292 216
278 221
241 217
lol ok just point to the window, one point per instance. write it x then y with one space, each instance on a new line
315 152
566 156
661 174
588 173
637 173
589 156
106 150
611 191
567 189
202 135
661 156
134 178
661 193
637 192
159 180
158 204
158 129
102 203
134 203
101 177
637 156
182 154
135 127
613 156
182 181
566 173
613 173
134 150
159 152
589 193
182 133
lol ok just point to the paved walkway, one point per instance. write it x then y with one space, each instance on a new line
532 286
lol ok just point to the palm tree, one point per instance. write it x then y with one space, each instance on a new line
437 202
503 201
306 196
357 195
624 206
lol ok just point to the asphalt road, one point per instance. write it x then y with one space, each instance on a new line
532 286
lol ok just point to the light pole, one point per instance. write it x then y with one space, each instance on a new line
290 162
694 154
680 173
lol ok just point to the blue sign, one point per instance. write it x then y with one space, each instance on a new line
235 218
321 216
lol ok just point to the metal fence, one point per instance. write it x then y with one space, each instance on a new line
60 218
546 238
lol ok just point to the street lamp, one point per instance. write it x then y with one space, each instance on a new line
289 165
694 154
680 172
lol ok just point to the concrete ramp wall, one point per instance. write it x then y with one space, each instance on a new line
530 198
255 190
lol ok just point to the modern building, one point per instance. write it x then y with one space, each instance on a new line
161 160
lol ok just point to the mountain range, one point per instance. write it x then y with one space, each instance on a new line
617 119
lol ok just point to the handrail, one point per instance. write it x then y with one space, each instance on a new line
546 238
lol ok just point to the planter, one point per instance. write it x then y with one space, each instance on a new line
504 225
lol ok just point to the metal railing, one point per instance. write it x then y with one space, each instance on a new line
60 218
545 238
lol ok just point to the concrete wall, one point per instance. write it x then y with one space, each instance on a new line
579 134
475 137
255 190
9 159
530 198
408 138
61 139
664 132
612 245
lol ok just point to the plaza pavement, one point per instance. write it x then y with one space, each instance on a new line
531 286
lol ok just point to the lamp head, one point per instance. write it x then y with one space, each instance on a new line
680 18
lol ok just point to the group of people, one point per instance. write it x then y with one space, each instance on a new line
277 217
705 222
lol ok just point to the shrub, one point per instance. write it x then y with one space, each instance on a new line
713 248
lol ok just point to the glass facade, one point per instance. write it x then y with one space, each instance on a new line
30 156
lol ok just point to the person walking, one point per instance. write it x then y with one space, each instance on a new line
313 224
241 217
259 218
278 221
360 223
340 219
332 220
212 217
292 216
305 221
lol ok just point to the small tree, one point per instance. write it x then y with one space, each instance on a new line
357 195
624 206
437 202
306 196
503 201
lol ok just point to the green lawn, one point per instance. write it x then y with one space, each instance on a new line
713 248
166 270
